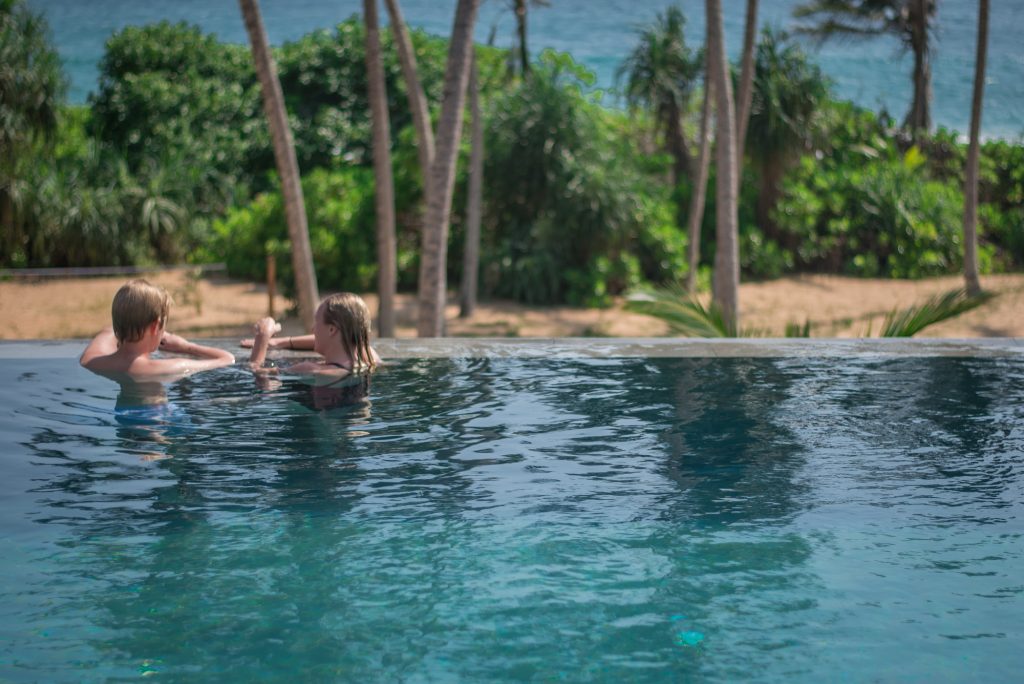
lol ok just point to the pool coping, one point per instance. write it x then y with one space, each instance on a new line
575 347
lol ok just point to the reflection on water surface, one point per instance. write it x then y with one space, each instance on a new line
501 519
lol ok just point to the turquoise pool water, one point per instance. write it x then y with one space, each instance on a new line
495 519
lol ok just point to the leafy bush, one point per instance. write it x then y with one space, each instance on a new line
566 205
881 218
80 205
1001 202
168 89
342 232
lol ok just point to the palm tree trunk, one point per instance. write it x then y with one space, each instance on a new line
524 56
700 185
919 117
771 172
971 182
417 98
384 184
433 254
287 164
471 253
746 94
676 143
727 272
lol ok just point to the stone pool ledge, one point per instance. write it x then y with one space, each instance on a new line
570 347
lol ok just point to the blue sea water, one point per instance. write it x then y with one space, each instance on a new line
599 33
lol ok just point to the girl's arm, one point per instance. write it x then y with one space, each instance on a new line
299 342
264 329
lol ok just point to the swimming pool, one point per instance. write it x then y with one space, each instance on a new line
506 511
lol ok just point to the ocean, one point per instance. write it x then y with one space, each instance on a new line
600 33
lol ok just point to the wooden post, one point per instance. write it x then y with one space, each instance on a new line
271 282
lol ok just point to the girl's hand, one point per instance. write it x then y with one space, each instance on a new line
266 327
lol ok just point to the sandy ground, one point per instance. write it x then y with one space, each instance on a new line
835 306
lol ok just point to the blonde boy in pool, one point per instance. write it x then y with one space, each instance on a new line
139 313
341 334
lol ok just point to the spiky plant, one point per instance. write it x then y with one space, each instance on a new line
913 319
683 313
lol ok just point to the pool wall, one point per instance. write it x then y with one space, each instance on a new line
569 347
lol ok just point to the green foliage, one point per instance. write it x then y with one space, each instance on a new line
31 83
31 90
82 206
162 165
565 201
883 217
340 211
788 93
1001 197
797 330
912 320
169 88
661 72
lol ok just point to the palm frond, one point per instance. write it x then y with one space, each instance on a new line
913 319
684 314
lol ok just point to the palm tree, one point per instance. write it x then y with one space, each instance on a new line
746 81
385 190
661 73
727 267
471 253
971 180
287 165
414 88
519 9
433 254
789 90
909 20
700 184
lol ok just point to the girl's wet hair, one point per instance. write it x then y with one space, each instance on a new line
350 315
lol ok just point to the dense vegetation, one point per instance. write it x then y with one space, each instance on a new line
171 160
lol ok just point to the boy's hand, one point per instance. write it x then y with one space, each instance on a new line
266 327
175 344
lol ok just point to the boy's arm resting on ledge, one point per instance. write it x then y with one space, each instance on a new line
208 357
104 344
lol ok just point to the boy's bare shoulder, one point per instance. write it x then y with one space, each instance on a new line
147 368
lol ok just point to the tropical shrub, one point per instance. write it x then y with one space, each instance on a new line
340 212
565 203
170 87
881 218
1001 197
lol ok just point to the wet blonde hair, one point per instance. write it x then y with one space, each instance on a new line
137 305
349 314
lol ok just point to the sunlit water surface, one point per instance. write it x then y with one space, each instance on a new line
496 520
